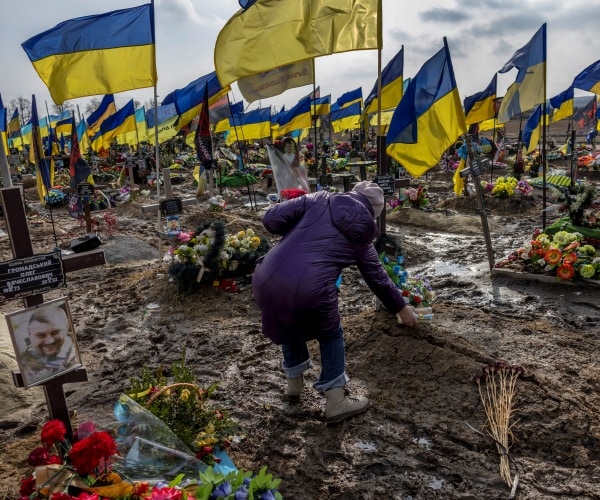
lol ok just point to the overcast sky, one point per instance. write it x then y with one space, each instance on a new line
482 36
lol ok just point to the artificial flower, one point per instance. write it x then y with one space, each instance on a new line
565 272
553 256
53 432
587 271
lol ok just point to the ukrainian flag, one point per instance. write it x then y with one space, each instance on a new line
133 136
14 125
107 107
563 104
96 55
391 86
45 167
589 78
346 118
188 100
65 125
3 128
253 125
321 106
270 34
533 129
82 136
429 118
480 107
349 98
296 118
530 84
118 123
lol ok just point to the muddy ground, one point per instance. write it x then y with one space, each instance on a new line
418 440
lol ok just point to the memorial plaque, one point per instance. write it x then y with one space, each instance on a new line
85 189
387 184
31 275
172 206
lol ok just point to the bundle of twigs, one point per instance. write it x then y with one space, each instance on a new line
497 389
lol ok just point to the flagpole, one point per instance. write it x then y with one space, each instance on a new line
313 117
157 163
544 127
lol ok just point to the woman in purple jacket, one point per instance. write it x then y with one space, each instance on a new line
295 284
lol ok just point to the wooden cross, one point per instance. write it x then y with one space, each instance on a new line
20 239
474 170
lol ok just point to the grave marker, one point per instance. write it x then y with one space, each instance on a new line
22 248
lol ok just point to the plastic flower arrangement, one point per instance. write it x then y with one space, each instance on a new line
56 198
419 198
564 255
210 252
216 204
416 290
89 471
185 408
504 187
81 469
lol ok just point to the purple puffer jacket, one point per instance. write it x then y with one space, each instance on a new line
294 285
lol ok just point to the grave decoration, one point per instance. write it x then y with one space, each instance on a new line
209 254
90 467
564 254
167 442
416 290
184 406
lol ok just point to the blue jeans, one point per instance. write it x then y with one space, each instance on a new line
296 360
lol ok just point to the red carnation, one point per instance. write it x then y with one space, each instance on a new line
86 455
41 456
53 432
27 486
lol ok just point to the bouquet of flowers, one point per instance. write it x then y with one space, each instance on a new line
563 255
419 198
87 470
186 409
417 291
209 253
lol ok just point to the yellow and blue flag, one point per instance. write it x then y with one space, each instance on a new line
188 100
4 126
65 125
106 108
532 131
589 78
93 55
346 118
321 106
481 106
254 124
133 137
349 98
296 118
429 118
37 155
530 84
391 86
270 34
118 123
563 104
14 124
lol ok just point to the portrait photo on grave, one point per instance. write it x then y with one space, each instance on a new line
44 341
173 225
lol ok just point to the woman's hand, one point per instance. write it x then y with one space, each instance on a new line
407 316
